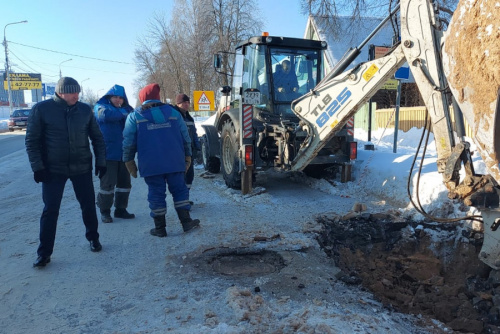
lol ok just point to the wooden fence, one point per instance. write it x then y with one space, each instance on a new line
409 117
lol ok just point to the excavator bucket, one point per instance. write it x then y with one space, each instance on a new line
471 62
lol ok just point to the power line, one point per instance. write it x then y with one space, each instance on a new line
70 54
37 63
31 68
36 71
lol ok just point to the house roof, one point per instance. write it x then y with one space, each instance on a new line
345 33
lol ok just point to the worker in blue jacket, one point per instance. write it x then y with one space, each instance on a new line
111 111
159 136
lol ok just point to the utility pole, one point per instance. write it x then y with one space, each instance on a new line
7 62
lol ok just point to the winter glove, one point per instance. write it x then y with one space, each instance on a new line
132 168
41 175
100 171
188 163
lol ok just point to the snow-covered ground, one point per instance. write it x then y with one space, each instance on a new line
3 124
143 284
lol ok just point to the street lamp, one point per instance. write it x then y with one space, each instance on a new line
7 62
81 85
60 73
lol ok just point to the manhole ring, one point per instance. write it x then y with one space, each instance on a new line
247 264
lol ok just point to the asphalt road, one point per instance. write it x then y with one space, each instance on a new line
11 143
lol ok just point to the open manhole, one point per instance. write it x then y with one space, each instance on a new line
246 263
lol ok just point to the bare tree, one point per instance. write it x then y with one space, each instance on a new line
195 31
233 22
356 9
157 57
90 97
178 54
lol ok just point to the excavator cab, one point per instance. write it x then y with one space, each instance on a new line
279 69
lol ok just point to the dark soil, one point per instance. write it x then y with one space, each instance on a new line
420 268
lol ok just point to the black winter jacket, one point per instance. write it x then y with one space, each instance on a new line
57 138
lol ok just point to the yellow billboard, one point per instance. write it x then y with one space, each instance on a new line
23 81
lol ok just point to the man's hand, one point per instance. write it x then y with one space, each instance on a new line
100 171
188 163
41 175
132 168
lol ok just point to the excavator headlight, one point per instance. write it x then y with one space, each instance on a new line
269 39
323 44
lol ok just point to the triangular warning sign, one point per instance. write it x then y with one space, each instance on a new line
203 99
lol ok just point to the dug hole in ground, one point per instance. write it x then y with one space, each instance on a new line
291 257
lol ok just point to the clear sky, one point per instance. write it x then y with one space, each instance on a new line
106 30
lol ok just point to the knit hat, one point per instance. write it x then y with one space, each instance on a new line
181 98
67 85
150 92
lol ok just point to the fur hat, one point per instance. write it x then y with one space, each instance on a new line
150 92
67 85
181 98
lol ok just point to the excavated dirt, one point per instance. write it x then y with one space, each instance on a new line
471 62
420 268
473 48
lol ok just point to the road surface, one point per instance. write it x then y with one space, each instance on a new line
11 142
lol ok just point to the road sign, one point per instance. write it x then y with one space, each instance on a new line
203 100
403 73
22 81
391 84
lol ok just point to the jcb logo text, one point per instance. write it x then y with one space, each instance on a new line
331 108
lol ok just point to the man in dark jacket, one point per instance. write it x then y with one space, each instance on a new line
57 143
182 101
286 85
111 111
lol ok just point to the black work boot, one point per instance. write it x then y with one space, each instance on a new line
159 230
106 216
123 213
187 223
41 261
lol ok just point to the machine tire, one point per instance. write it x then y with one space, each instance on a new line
210 163
230 146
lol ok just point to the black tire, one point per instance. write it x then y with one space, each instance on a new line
229 148
210 163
